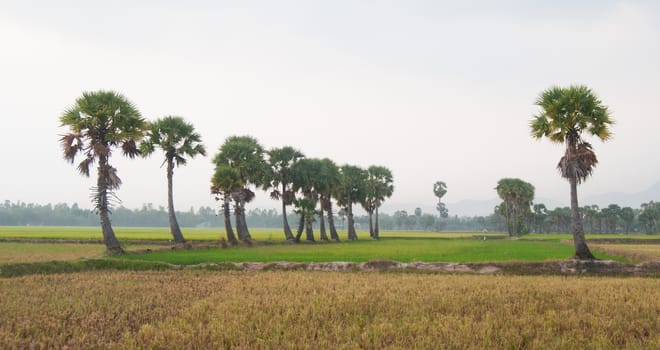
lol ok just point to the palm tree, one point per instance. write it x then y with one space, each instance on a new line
246 155
177 139
100 121
565 114
351 189
379 186
306 173
517 196
281 162
327 181
225 181
439 190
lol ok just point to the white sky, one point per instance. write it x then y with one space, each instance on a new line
434 90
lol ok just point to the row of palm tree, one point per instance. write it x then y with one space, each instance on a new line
103 121
243 165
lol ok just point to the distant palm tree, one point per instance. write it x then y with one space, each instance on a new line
306 174
351 189
517 196
379 186
565 114
99 122
327 182
281 162
226 181
246 155
177 139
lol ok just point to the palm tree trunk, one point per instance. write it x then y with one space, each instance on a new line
109 238
309 231
582 252
371 224
331 222
288 235
324 235
225 208
376 229
301 227
352 235
174 225
239 213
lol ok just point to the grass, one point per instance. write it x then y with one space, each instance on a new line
205 309
402 250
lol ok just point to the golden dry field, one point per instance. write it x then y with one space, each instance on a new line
633 252
324 310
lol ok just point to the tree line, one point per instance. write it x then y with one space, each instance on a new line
610 219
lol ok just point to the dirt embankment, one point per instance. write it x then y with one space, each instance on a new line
567 267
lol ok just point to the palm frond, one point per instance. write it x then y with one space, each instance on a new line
84 166
130 149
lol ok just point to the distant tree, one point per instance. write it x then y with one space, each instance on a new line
351 189
517 196
610 216
540 215
246 155
565 114
440 189
100 121
178 140
627 215
281 162
379 186
225 182
649 218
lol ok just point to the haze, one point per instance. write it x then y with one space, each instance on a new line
434 90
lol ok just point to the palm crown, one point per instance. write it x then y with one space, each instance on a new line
175 137
565 114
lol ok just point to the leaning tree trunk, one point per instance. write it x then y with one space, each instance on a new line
301 227
285 222
239 213
102 205
352 235
331 223
323 235
582 251
376 228
225 209
174 225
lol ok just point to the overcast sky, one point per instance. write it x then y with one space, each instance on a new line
434 90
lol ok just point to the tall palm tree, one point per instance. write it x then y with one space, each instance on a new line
306 174
351 189
379 186
178 140
567 113
100 121
281 162
246 155
327 181
225 181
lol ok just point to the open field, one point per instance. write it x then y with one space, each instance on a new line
215 234
18 252
396 249
204 309
632 252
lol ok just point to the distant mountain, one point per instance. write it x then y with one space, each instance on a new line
485 207
624 199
